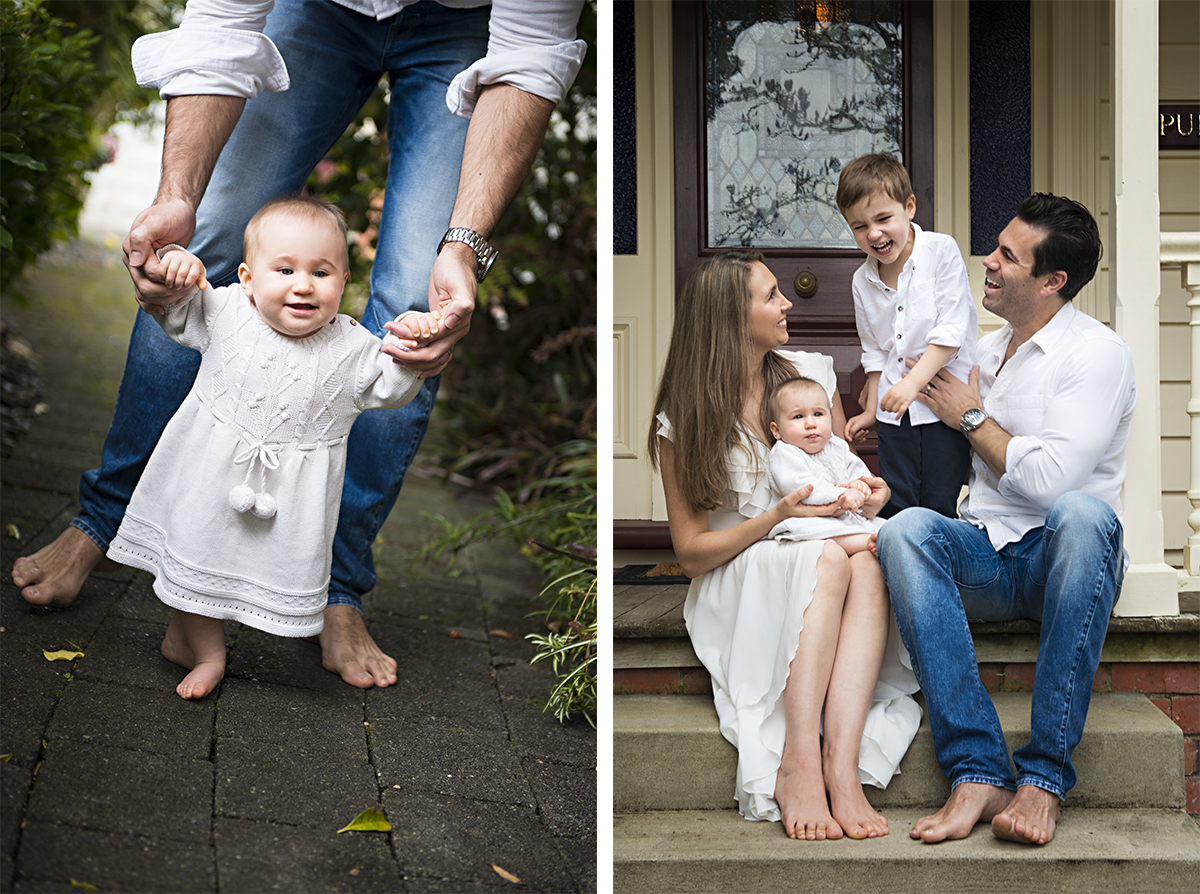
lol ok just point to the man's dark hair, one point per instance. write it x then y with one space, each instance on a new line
1072 240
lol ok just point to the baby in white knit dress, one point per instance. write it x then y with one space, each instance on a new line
806 452
236 509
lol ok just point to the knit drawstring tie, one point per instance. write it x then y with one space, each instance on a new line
243 498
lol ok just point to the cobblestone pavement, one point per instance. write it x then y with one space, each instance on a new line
113 781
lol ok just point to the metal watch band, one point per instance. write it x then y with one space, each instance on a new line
485 255
971 419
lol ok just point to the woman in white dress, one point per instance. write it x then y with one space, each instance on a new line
786 629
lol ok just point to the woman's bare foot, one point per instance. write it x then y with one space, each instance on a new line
800 792
348 650
55 573
850 807
968 804
1029 818
197 643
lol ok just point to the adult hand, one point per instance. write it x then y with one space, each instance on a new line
452 296
793 505
163 223
949 396
880 494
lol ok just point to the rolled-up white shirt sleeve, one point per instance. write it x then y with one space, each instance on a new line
218 49
1078 426
531 46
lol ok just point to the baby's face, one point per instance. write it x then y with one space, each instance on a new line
296 274
803 417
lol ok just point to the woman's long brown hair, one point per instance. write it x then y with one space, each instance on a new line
707 376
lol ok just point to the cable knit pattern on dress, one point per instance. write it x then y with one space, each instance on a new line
269 414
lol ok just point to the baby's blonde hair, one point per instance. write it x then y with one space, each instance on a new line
311 207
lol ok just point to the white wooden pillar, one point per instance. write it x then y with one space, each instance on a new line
1182 250
1151 586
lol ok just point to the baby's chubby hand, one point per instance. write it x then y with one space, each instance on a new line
182 270
413 329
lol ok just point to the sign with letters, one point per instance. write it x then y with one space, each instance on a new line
1179 126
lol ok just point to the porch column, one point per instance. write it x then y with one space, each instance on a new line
1182 250
1151 586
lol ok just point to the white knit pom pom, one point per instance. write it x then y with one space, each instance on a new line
264 505
241 498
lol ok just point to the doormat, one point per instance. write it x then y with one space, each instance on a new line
662 573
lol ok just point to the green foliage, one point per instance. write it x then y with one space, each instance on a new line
61 85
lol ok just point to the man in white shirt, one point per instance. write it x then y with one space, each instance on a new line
1047 413
301 70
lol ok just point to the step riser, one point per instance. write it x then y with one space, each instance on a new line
668 754
1118 851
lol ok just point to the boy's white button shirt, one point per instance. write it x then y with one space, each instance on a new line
931 305
1067 397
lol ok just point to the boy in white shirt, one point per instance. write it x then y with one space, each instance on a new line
915 315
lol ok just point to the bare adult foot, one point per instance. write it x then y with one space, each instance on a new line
850 807
800 792
348 650
55 573
198 644
968 804
1029 818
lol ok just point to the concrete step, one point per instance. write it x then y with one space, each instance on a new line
1094 851
668 754
649 632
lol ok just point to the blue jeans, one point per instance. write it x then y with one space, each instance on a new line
942 572
335 58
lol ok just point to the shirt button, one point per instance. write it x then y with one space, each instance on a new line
901 307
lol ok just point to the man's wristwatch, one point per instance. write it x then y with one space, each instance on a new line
485 255
971 419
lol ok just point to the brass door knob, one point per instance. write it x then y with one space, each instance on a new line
805 284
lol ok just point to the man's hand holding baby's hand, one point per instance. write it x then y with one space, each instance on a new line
182 270
856 495
414 329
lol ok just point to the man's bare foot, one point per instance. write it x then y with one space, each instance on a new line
348 650
197 643
800 792
55 574
968 804
850 807
1029 818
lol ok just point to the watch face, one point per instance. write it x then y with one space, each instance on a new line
972 419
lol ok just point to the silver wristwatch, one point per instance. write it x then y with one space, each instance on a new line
485 255
971 419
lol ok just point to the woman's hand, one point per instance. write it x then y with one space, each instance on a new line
880 494
793 505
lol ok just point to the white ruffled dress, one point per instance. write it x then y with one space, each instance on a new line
744 620
267 417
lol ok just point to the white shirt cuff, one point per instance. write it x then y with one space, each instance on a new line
547 72
182 63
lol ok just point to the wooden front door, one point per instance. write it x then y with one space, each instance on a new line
771 99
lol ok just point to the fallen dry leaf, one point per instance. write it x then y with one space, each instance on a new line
84 885
370 820
13 531
62 655
505 874
503 633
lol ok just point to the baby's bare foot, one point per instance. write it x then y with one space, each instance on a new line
55 573
198 644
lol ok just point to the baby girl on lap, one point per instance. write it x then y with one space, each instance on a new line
799 416
236 510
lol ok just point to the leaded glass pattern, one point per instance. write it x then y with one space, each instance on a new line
794 91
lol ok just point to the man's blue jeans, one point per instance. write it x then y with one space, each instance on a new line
942 572
335 58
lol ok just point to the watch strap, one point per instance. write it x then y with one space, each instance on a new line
485 255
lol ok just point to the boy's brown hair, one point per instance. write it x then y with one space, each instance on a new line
870 174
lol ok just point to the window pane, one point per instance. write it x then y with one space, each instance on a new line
795 90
